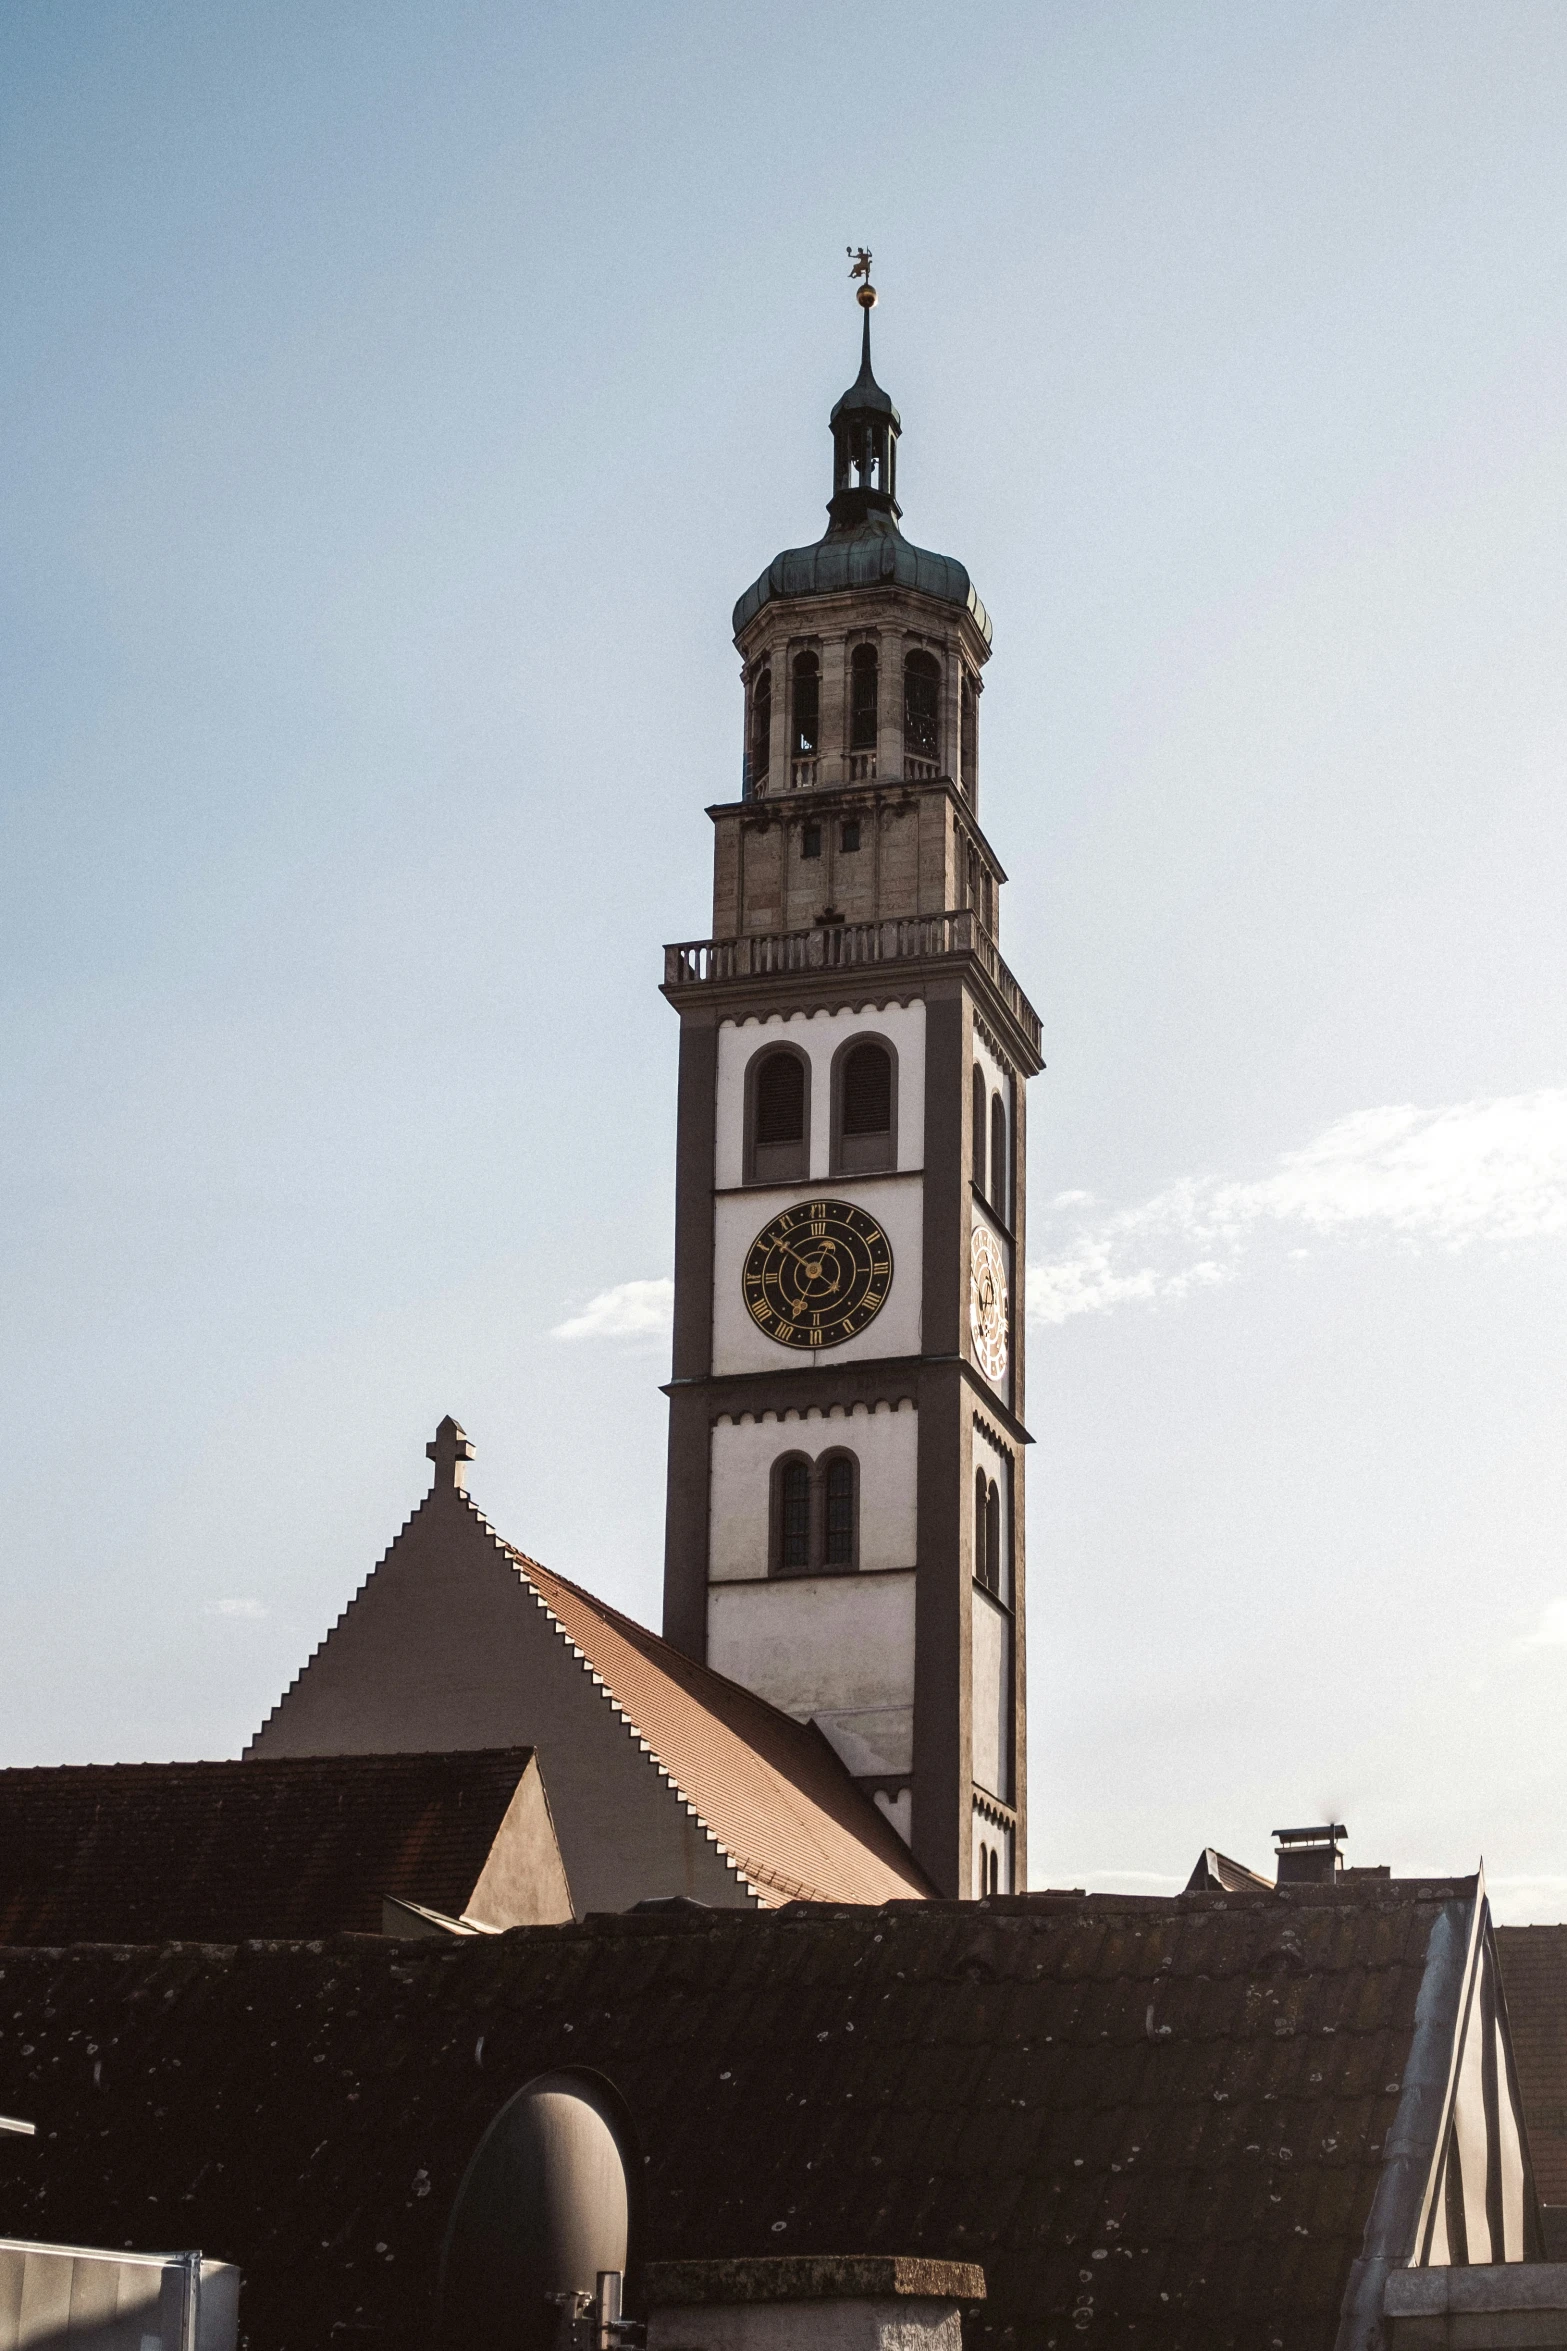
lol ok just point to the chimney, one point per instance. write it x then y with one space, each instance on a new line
1310 1857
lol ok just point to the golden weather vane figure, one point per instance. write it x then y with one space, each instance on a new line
860 267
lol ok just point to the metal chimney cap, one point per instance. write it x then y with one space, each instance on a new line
1328 1833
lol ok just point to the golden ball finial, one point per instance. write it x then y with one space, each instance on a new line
860 267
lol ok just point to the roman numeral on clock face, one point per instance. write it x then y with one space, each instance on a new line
817 1275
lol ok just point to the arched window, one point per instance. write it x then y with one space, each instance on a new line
862 698
815 1514
807 705
792 1516
978 1137
984 1868
980 1485
921 705
761 729
994 1885
1000 1158
987 1532
838 1529
865 1107
779 1116
969 760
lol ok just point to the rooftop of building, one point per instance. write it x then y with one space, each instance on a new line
1163 2120
862 548
218 1852
773 1791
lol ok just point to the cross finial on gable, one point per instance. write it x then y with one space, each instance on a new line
451 1452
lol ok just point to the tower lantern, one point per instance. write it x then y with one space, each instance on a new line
865 428
844 1526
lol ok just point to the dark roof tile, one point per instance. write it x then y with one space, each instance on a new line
216 1852
999 2096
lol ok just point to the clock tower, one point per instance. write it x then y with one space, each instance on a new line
846 1446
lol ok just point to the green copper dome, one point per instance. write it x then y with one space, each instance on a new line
873 554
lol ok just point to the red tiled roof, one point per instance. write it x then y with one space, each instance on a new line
220 1852
1158 2124
774 1793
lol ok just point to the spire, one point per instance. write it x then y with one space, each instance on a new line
865 428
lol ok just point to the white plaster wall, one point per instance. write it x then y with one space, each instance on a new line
992 1461
885 1442
896 1202
819 1034
836 1650
990 1656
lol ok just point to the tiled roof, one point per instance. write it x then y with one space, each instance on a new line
772 1790
1534 1978
1157 2124
1216 1873
216 1852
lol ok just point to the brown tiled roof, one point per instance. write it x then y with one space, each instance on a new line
216 1852
1534 1978
774 1793
1157 2124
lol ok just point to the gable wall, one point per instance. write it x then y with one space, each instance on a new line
446 1646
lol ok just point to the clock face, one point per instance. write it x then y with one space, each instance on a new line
817 1274
987 1302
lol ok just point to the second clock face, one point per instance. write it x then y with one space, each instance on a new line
987 1302
817 1274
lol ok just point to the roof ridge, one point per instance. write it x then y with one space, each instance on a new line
795 1888
681 1670
643 1632
531 1567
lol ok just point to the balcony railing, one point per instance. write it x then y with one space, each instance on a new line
698 963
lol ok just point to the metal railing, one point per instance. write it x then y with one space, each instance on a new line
698 963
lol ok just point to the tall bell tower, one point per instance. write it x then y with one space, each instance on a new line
846 1446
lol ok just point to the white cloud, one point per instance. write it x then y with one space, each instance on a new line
1551 1631
235 1608
631 1310
1472 1172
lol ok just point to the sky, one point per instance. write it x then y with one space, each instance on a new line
396 399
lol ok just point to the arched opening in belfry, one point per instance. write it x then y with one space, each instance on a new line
807 705
921 705
863 681
761 729
968 759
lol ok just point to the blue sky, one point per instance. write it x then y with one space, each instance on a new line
397 398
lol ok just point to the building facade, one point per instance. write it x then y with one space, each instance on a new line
845 1498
